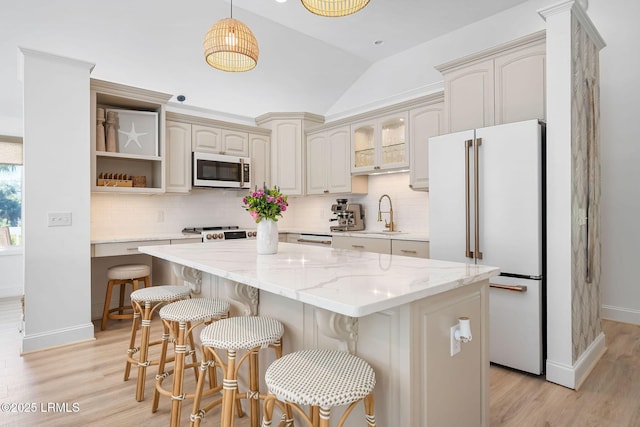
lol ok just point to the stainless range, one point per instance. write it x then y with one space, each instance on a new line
220 233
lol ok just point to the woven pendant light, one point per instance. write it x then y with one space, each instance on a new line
230 45
334 8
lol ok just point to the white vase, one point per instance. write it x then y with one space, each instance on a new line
267 237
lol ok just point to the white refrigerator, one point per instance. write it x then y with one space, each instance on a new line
486 206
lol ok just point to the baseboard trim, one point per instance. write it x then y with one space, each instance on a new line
620 314
573 376
57 338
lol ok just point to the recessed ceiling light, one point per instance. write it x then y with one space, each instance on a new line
378 42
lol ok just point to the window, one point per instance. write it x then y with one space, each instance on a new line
10 191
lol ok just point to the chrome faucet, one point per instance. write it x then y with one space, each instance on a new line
390 226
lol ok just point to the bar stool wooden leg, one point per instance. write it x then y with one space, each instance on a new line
369 410
161 364
254 388
229 389
107 301
144 351
132 341
178 375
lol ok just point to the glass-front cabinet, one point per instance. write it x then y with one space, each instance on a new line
380 144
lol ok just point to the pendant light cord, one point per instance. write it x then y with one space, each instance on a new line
231 9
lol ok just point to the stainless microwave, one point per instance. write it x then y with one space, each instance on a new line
221 171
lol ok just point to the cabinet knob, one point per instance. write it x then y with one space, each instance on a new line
326 191
376 167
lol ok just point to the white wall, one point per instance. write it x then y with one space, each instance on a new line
56 259
619 93
11 278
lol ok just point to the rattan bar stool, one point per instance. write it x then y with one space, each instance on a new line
321 379
179 319
145 302
248 333
122 275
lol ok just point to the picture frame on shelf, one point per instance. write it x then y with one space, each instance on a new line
136 132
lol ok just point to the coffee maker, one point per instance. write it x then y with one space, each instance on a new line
350 216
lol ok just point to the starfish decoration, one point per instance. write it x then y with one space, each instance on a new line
132 135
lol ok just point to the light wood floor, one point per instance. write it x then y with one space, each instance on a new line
90 375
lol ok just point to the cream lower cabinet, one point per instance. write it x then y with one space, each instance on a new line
178 157
414 248
364 244
502 85
424 122
329 163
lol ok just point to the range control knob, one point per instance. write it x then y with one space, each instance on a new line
209 236
220 236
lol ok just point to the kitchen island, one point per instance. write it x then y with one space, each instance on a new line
396 312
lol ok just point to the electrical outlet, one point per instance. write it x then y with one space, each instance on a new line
455 344
59 219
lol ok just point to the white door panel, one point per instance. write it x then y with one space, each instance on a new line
510 197
515 324
447 196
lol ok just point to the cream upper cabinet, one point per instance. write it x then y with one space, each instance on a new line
329 163
469 97
260 152
380 144
136 164
235 143
288 149
424 122
208 139
500 85
520 84
178 157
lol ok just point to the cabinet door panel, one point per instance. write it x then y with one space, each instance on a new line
178 158
339 160
317 152
235 143
469 97
287 157
393 141
424 123
364 146
260 151
520 85
206 139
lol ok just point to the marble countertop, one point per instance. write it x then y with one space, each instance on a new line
143 237
348 282
401 235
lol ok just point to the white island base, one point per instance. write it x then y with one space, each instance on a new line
418 382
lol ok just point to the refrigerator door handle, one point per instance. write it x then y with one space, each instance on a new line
514 288
467 213
476 190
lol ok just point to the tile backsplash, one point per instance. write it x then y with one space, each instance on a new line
123 215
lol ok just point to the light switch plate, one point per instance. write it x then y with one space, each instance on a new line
59 219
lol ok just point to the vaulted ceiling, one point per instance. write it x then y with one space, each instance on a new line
306 62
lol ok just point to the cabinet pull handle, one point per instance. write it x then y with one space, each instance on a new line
322 242
467 199
514 288
407 251
357 246
132 249
326 191
376 167
241 172
476 201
